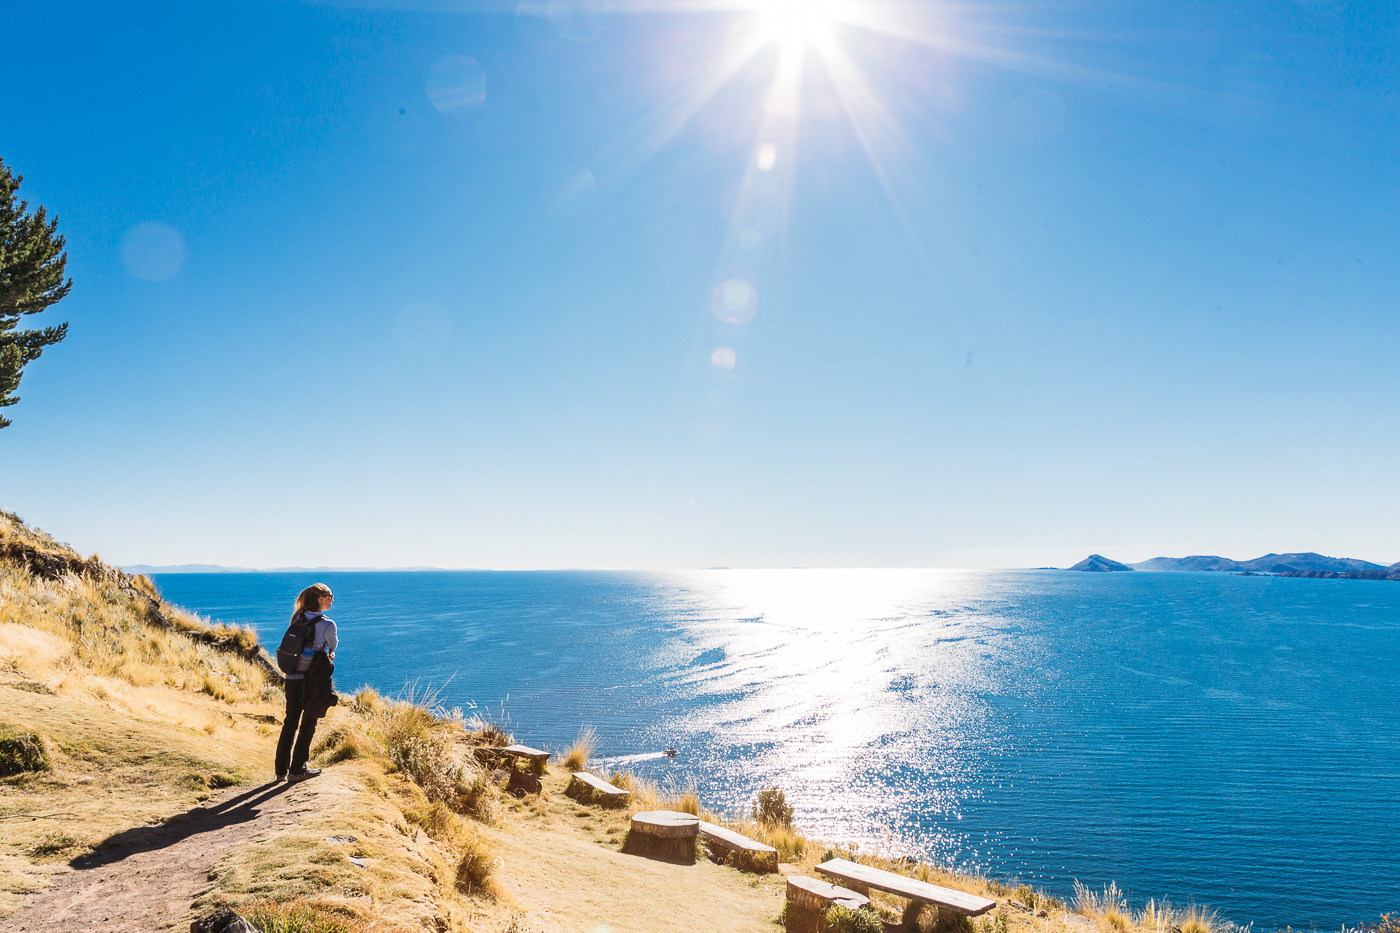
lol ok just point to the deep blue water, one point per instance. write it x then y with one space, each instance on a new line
1233 741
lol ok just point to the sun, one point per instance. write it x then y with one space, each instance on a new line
797 22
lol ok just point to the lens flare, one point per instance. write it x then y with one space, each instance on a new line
456 83
153 251
734 301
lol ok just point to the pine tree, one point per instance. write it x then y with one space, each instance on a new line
31 279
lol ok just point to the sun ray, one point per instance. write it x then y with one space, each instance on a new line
673 115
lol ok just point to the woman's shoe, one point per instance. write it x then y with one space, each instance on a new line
295 776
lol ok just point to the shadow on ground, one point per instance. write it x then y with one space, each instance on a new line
240 809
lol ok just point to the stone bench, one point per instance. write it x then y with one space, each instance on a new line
535 758
738 850
587 788
809 898
863 878
663 834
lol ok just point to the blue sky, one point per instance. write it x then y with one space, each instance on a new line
474 285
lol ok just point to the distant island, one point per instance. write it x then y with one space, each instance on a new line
1097 563
1278 565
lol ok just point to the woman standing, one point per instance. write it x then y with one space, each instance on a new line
294 745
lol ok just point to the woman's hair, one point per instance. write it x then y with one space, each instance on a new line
309 600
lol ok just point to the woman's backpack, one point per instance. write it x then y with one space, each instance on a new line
299 635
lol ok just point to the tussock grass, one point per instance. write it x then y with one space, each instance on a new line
1196 919
649 795
475 866
483 728
577 756
343 743
428 745
1161 917
790 843
1099 905
437 820
303 916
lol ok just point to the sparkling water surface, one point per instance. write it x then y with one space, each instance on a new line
1233 741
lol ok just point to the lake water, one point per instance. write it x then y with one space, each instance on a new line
1233 741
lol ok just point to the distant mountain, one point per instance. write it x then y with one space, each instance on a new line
1279 564
1187 563
1307 563
1097 563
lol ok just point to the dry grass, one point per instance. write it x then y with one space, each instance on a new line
397 872
1161 917
303 916
584 747
790 843
416 737
649 795
475 866
1196 919
1098 905
108 632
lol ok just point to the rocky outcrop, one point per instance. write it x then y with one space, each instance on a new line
223 920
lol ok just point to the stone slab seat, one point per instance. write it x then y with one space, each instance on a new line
666 824
663 834
763 858
608 792
818 895
535 756
865 876
808 899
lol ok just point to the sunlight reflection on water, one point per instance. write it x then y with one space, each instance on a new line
820 675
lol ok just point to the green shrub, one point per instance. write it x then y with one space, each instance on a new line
839 919
21 752
993 923
771 808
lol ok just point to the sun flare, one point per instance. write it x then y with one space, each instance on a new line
798 22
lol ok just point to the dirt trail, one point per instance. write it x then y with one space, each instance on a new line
145 879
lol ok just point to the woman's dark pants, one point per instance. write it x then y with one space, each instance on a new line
296 712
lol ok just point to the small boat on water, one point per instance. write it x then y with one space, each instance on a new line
670 753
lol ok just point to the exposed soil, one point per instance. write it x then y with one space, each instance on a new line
146 878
